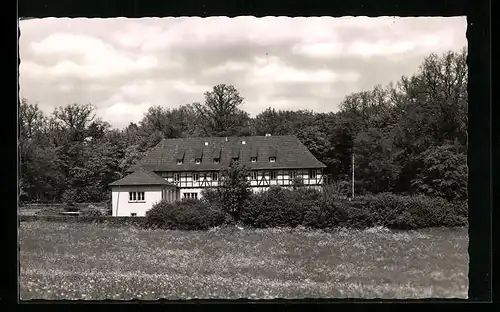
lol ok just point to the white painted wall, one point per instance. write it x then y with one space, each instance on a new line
123 208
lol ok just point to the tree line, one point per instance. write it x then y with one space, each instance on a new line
407 137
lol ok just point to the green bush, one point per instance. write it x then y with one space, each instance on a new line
188 214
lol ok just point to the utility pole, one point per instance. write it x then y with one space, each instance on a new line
353 175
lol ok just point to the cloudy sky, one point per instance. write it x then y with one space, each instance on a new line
122 66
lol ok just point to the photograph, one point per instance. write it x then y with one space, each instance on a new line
250 157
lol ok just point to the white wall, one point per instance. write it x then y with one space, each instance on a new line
123 208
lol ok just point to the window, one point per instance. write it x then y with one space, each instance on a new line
235 159
196 176
216 160
274 175
191 195
135 196
293 174
253 175
179 161
197 161
215 176
272 159
312 174
133 214
176 177
253 159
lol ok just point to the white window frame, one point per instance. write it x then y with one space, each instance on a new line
253 159
215 176
136 197
196 176
179 161
197 161
273 175
292 174
272 159
254 175
177 176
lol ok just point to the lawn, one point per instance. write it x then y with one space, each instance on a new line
95 261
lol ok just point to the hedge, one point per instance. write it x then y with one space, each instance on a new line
280 207
136 221
189 214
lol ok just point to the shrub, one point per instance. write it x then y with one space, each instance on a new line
291 208
404 212
48 211
316 209
188 214
91 212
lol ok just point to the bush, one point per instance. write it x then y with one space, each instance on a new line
49 211
404 212
188 214
291 208
311 208
91 212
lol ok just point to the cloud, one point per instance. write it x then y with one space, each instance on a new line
122 66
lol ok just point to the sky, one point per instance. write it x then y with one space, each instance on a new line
123 66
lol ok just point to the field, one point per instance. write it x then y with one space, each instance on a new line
95 261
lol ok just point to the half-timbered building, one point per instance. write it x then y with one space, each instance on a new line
186 166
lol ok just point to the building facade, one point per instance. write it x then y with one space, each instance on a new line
188 165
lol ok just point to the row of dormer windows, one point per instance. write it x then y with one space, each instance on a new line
217 160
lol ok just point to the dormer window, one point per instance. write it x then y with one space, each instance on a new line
235 159
272 159
216 160
253 159
197 161
179 161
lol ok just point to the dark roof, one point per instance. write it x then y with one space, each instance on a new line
141 176
288 150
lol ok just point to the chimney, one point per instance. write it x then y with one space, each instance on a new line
268 134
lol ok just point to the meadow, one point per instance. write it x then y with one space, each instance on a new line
99 261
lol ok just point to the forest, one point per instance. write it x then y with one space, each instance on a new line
407 137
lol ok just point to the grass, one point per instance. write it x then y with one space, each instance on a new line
95 261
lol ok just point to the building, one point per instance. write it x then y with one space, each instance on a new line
183 167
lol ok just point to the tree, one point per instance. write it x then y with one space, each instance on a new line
234 189
220 114
74 119
442 172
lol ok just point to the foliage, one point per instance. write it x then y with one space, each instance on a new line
443 173
234 190
188 214
408 137
91 212
281 207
